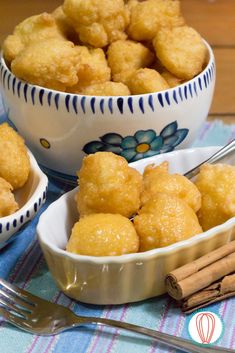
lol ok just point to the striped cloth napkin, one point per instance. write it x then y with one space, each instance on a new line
22 263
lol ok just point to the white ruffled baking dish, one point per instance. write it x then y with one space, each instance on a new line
126 278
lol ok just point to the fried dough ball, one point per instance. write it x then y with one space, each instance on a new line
103 235
165 220
92 68
32 29
108 185
157 179
146 81
123 77
216 184
126 56
149 16
14 159
64 25
181 50
51 63
171 79
131 4
106 89
98 22
8 205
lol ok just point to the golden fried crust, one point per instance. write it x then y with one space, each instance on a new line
181 50
216 184
146 81
123 76
106 89
131 4
108 185
33 29
157 179
126 56
8 205
14 159
92 68
50 63
148 17
165 220
12 46
103 235
98 22
65 25
172 80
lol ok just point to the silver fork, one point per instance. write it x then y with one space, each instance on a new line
35 315
220 156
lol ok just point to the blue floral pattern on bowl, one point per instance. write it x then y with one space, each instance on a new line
144 143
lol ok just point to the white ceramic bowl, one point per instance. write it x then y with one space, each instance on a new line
61 128
30 198
126 278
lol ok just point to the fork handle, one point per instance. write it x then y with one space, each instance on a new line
169 340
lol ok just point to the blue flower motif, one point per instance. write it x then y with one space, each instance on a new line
144 143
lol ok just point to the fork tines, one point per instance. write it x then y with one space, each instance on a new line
13 300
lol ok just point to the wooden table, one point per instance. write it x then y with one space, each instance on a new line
214 19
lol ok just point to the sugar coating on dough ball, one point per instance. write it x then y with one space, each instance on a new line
126 56
92 68
157 179
32 29
181 50
98 22
106 89
165 220
14 159
149 16
146 81
217 187
103 235
50 63
8 205
108 185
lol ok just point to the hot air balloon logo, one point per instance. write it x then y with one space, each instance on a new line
205 327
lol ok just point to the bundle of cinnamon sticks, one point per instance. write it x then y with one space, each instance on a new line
206 280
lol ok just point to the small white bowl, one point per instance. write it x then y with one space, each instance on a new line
125 278
30 198
61 128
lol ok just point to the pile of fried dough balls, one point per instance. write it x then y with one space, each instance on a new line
14 168
166 208
107 47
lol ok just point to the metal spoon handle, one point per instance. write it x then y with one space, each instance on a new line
223 153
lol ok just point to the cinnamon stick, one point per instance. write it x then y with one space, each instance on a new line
228 284
189 310
214 293
201 273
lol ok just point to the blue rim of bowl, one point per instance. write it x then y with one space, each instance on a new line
80 104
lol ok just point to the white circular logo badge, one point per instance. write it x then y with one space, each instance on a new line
205 327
